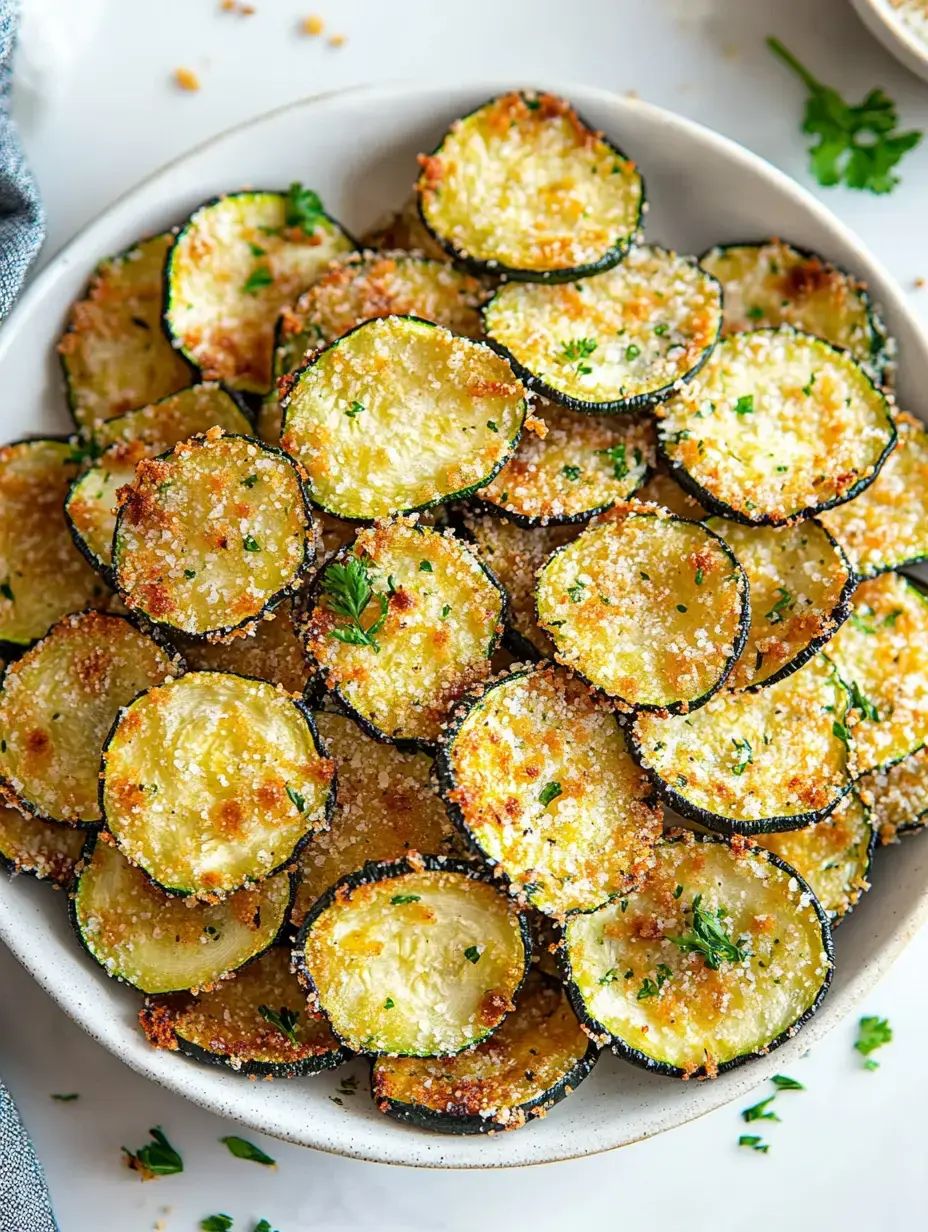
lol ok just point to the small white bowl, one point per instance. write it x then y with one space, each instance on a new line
897 36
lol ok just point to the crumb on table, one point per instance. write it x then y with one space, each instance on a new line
338 40
313 25
186 79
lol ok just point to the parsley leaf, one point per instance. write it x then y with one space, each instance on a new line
579 348
754 1142
708 938
258 278
575 592
355 409
839 730
744 405
156 1158
285 1021
303 208
472 954
616 455
549 792
784 1083
297 799
216 1223
862 703
250 544
398 899
241 1148
348 589
783 604
872 1033
758 1112
745 756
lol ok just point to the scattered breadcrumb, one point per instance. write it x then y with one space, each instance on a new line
919 283
313 25
186 79
338 40
632 94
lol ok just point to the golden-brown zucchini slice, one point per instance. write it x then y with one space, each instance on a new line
537 1057
257 1023
897 797
273 651
404 622
886 527
801 587
650 608
57 704
881 655
402 230
721 957
401 414
387 806
212 536
754 762
420 957
114 353
621 341
159 944
523 187
779 425
581 465
833 856
235 263
92 500
42 574
774 284
536 772
42 848
661 490
214 781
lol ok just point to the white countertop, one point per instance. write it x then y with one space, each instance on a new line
849 1152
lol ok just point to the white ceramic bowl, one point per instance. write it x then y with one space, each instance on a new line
897 36
358 150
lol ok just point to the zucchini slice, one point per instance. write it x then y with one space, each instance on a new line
649 608
235 263
403 230
91 504
524 188
114 353
273 651
898 797
42 574
263 784
622 341
754 762
833 856
401 414
571 467
774 284
387 807
515 554
886 527
234 1024
722 956
537 1057
403 623
661 490
780 425
881 655
47 851
57 704
159 944
801 588
536 773
420 957
212 536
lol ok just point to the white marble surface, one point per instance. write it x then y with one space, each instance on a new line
98 112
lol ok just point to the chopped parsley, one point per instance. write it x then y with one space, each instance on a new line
872 1033
6 589
754 1142
616 454
250 544
355 409
258 278
839 730
783 604
651 988
610 977
216 1223
297 799
661 329
784 1083
66 1099
632 352
241 1148
389 1003
755 313
256 250
446 611
156 1158
284 1020
425 566
348 590
577 351
492 425
744 405
859 621
862 703
303 208
745 756
700 577
571 472
758 1112
575 592
681 607
708 938
398 899
549 792
472 954
678 891
190 573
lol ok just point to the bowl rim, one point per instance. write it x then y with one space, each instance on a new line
899 40
420 1148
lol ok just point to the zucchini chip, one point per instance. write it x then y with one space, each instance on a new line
881 655
91 504
649 608
212 536
661 490
387 807
776 284
42 574
57 704
898 797
159 944
515 555
570 467
237 260
780 425
754 762
42 848
273 651
536 1058
722 956
255 1023
833 856
214 781
886 527
421 957
401 414
114 354
523 187
404 622
403 230
621 341
801 587
536 773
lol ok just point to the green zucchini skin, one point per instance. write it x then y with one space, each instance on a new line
636 1057
482 268
385 870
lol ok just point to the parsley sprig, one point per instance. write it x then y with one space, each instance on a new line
348 589
857 146
285 1020
872 1033
303 208
708 938
156 1158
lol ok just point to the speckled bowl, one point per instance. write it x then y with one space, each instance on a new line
897 36
358 150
